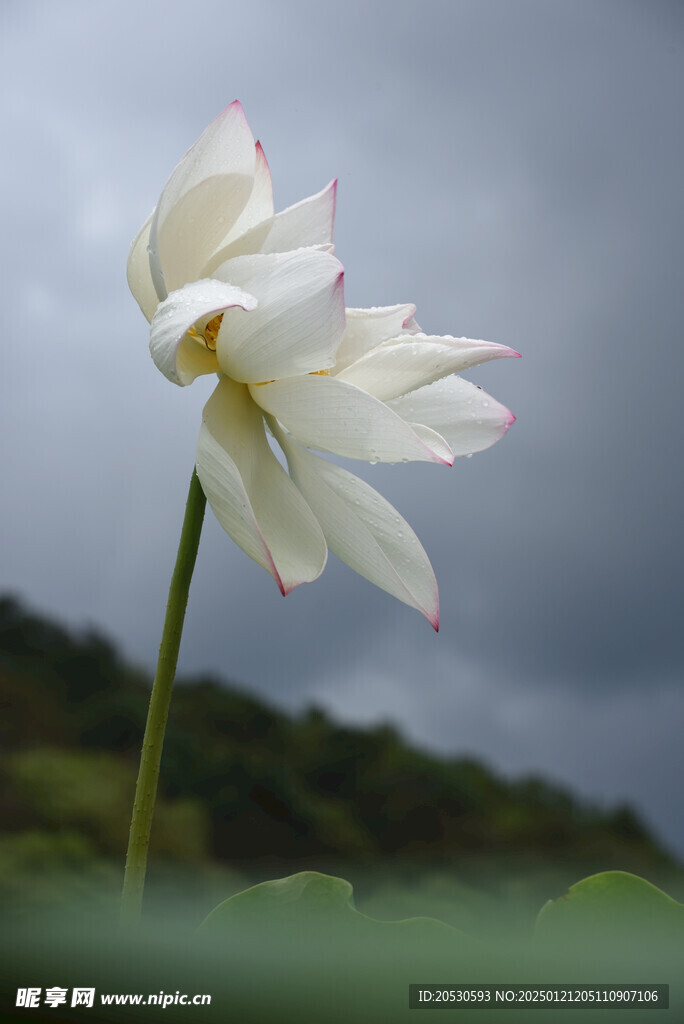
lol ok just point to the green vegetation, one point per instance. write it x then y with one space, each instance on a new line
248 793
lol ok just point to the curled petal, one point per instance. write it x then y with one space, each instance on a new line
309 222
202 200
251 495
367 328
406 363
299 321
181 356
337 417
364 530
465 415
138 272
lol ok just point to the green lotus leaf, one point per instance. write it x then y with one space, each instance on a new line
313 912
614 913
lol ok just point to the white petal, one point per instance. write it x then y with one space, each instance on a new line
178 355
307 223
138 272
253 498
203 198
364 530
258 209
367 328
299 321
337 417
469 418
404 364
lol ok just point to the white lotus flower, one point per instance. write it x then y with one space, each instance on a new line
231 288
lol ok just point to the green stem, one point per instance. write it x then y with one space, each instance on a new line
148 775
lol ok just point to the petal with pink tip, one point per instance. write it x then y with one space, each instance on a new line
251 495
364 530
465 415
307 223
333 416
138 272
299 321
407 363
367 328
181 356
202 200
259 207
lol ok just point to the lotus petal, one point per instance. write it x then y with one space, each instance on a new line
364 530
465 415
259 207
251 495
299 321
202 200
367 328
307 223
331 415
407 363
138 272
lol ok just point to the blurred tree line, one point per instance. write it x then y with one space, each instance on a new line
247 791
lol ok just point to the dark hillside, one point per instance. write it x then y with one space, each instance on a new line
248 788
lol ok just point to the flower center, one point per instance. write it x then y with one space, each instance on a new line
210 332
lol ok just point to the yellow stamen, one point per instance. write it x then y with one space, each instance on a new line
210 332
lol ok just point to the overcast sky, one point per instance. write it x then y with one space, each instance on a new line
513 167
